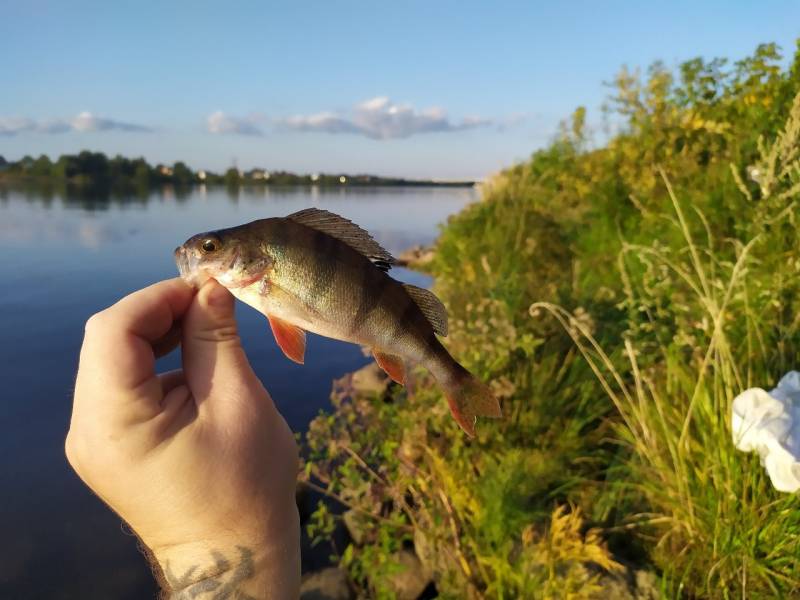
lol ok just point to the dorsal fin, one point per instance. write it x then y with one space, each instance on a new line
431 307
345 231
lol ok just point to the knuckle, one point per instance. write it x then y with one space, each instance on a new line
219 334
71 450
95 323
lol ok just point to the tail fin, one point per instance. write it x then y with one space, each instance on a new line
469 398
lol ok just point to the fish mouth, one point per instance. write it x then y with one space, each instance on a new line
182 262
187 264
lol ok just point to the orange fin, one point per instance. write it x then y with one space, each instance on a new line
290 338
469 398
393 365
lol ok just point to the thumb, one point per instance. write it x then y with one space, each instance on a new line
213 357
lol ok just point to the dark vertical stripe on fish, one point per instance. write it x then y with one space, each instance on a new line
323 245
405 321
278 236
370 299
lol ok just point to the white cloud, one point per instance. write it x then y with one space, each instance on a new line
377 103
14 125
219 122
327 122
381 119
85 121
53 126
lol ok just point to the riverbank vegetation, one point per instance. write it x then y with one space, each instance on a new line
95 169
618 296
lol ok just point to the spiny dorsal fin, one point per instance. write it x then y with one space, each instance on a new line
345 231
431 307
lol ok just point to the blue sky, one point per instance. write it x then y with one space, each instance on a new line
411 88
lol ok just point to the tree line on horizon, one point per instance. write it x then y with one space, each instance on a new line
97 169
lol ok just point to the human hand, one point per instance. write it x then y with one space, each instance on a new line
198 462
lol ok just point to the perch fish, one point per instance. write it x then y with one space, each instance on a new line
316 271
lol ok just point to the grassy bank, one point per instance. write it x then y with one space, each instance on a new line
618 297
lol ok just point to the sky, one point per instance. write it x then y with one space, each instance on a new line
421 89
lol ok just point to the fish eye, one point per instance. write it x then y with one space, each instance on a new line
210 245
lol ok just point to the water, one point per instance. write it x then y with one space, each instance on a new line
64 258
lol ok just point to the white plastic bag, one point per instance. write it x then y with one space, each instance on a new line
769 423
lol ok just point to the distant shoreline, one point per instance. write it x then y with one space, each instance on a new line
95 169
374 182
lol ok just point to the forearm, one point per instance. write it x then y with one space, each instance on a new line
230 570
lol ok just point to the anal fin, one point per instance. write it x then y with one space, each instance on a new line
290 338
392 364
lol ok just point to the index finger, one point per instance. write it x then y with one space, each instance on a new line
118 345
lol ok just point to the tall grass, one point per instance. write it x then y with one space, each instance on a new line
717 526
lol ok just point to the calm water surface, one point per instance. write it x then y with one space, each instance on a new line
65 258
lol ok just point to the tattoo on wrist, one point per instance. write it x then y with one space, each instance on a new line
222 581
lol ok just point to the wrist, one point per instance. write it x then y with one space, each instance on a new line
237 567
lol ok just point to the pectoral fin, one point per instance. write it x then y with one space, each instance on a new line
393 365
290 338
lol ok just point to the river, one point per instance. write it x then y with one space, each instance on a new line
66 256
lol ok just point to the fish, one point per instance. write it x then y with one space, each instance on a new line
315 271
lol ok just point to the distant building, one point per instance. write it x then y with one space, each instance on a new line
315 177
164 170
342 179
259 174
201 175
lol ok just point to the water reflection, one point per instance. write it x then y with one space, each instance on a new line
102 196
93 196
